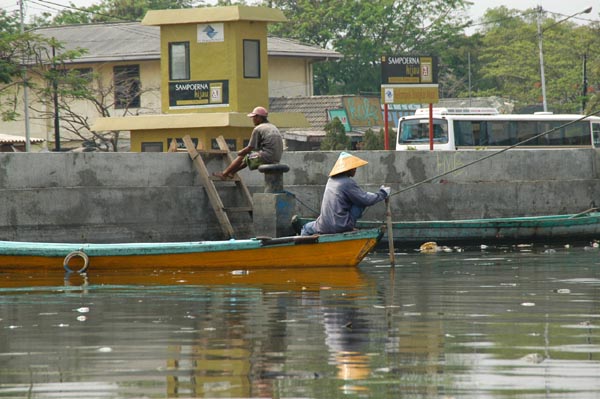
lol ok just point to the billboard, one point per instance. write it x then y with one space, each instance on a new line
408 69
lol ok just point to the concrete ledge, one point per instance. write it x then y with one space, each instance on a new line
112 197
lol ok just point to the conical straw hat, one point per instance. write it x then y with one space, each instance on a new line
346 162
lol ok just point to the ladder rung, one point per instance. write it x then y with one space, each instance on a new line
216 152
239 209
233 179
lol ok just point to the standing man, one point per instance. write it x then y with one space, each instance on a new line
265 138
343 201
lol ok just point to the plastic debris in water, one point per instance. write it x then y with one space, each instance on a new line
429 247
105 349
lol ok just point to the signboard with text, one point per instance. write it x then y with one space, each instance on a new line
408 79
409 94
408 69
196 94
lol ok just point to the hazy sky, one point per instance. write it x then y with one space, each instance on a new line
564 7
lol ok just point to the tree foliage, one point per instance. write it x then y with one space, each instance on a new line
363 31
111 11
500 59
510 60
19 49
335 136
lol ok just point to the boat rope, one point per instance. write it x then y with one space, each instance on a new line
301 202
81 254
492 154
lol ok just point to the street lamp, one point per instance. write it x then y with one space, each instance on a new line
539 29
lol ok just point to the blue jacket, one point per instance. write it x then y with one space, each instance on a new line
343 203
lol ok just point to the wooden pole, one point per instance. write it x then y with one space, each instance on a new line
386 139
430 127
390 232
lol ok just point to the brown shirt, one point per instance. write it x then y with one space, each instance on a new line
267 140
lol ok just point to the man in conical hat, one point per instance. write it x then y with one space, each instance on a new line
343 201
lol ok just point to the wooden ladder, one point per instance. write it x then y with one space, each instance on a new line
208 180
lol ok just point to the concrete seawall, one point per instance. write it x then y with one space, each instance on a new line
122 197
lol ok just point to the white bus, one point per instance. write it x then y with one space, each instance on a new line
485 128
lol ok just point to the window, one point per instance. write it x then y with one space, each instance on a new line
179 61
231 143
83 73
127 86
417 131
251 59
152 147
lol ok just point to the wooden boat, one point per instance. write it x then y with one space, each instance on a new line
346 249
580 226
312 279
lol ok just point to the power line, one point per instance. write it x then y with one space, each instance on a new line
83 10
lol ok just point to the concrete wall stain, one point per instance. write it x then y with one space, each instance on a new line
133 197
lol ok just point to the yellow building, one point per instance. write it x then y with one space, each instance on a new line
119 52
214 70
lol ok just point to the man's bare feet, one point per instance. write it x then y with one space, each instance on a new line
222 176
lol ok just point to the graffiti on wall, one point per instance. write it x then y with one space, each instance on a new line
363 111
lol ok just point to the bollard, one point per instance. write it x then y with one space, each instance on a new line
274 207
273 176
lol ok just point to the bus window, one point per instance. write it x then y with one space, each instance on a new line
463 133
596 134
417 131
544 126
526 130
556 137
577 134
500 133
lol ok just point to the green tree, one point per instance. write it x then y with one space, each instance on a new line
335 137
111 11
17 50
511 65
372 140
363 31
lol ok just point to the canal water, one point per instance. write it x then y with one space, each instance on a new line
502 322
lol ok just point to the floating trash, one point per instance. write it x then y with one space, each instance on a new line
533 358
429 247
105 349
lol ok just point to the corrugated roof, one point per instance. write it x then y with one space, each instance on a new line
314 108
128 41
10 139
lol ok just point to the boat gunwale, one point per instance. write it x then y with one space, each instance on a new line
29 248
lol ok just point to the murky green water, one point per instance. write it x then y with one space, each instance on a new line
501 323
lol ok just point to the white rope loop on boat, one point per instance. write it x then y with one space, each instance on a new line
82 255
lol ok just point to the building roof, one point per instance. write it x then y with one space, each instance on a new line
132 41
212 14
10 139
314 108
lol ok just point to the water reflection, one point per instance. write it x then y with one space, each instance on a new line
496 323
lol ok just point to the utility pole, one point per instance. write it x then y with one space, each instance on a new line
540 39
25 93
55 98
585 84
